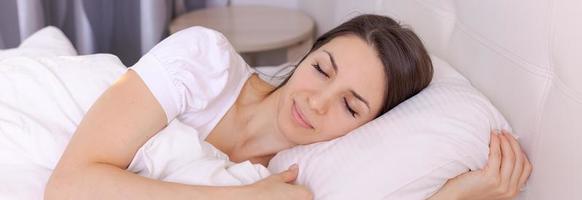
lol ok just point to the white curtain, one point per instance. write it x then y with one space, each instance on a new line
126 28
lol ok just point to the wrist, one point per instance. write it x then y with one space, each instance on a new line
446 193
228 192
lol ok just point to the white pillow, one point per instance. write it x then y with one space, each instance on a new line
48 41
407 153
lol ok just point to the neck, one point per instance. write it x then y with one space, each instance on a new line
257 137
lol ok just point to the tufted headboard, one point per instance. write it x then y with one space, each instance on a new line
525 55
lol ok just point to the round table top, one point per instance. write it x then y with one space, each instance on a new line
251 28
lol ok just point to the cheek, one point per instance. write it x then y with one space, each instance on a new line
284 118
298 85
337 124
301 79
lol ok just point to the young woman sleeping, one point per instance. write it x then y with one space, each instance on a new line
353 74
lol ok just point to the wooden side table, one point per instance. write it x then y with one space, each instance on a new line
253 29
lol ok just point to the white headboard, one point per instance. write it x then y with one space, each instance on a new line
525 55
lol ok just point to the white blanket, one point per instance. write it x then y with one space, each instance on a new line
43 99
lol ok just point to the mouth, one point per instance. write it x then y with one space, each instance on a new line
299 117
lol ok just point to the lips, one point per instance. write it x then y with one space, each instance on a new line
299 117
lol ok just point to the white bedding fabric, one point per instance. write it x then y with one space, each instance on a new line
406 154
42 101
44 97
176 154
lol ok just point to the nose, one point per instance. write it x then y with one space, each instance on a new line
319 102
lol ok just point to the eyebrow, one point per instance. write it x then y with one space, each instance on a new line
334 65
332 60
360 98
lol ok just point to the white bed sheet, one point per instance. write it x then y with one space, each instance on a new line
43 99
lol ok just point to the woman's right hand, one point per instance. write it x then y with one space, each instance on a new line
279 186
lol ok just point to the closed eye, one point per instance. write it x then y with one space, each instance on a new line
318 68
354 113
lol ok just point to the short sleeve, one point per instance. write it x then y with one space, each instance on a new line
189 69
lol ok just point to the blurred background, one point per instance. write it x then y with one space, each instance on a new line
129 28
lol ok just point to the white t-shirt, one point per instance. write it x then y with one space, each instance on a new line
196 76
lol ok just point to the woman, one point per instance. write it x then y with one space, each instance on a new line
353 74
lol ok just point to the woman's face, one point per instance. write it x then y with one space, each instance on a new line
336 89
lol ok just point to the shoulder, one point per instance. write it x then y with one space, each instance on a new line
197 47
191 68
193 37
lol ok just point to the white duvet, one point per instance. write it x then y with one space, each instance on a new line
43 99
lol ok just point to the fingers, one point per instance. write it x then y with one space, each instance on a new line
527 169
494 161
507 159
288 175
305 193
519 163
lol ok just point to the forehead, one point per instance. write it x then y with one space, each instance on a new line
359 67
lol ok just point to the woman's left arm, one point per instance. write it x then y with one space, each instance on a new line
502 178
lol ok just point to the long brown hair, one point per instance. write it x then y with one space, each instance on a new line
407 65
